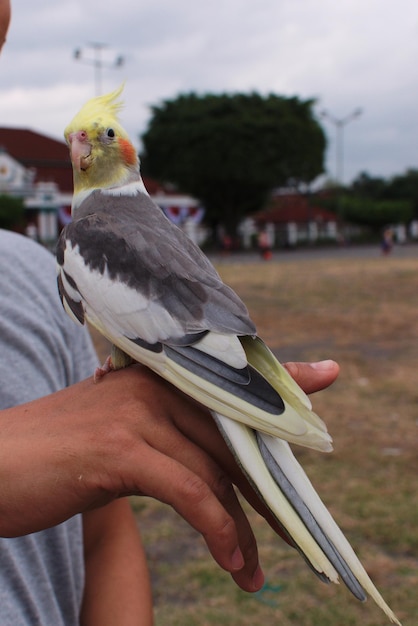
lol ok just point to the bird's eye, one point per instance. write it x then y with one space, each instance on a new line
110 133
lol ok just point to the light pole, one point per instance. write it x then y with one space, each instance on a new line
98 63
340 123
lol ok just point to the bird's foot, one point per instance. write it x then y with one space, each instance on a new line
103 370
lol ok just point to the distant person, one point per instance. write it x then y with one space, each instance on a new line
226 244
387 241
264 244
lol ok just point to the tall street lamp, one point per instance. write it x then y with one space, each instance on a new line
340 123
98 63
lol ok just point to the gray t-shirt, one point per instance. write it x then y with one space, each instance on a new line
41 351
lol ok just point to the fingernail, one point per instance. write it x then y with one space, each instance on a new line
258 579
323 365
237 560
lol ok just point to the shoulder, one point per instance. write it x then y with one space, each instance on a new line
27 272
21 248
35 332
26 267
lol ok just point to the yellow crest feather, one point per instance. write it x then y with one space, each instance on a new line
99 111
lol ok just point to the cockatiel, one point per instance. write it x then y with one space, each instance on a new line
136 277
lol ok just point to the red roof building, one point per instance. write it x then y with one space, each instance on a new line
293 207
292 218
48 157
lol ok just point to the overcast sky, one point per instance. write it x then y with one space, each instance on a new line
347 54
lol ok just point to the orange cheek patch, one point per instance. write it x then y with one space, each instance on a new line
128 151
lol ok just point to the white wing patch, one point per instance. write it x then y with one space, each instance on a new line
113 305
227 348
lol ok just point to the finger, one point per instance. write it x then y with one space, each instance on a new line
180 447
249 577
313 376
204 432
210 506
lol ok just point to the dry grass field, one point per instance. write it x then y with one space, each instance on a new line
364 314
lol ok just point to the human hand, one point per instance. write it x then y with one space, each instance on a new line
132 433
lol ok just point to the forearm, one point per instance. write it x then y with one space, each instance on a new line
53 458
36 487
117 589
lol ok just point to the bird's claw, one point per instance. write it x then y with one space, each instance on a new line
103 370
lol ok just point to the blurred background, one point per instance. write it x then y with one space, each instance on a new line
282 137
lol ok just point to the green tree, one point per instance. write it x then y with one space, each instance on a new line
12 211
376 214
367 186
404 186
377 201
230 151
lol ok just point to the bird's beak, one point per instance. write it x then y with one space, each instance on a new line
80 151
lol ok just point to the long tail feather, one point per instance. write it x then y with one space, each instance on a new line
243 443
297 502
285 489
282 454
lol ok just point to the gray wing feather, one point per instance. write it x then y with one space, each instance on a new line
131 239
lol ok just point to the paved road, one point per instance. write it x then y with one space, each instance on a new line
299 254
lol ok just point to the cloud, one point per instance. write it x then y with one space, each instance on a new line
347 54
